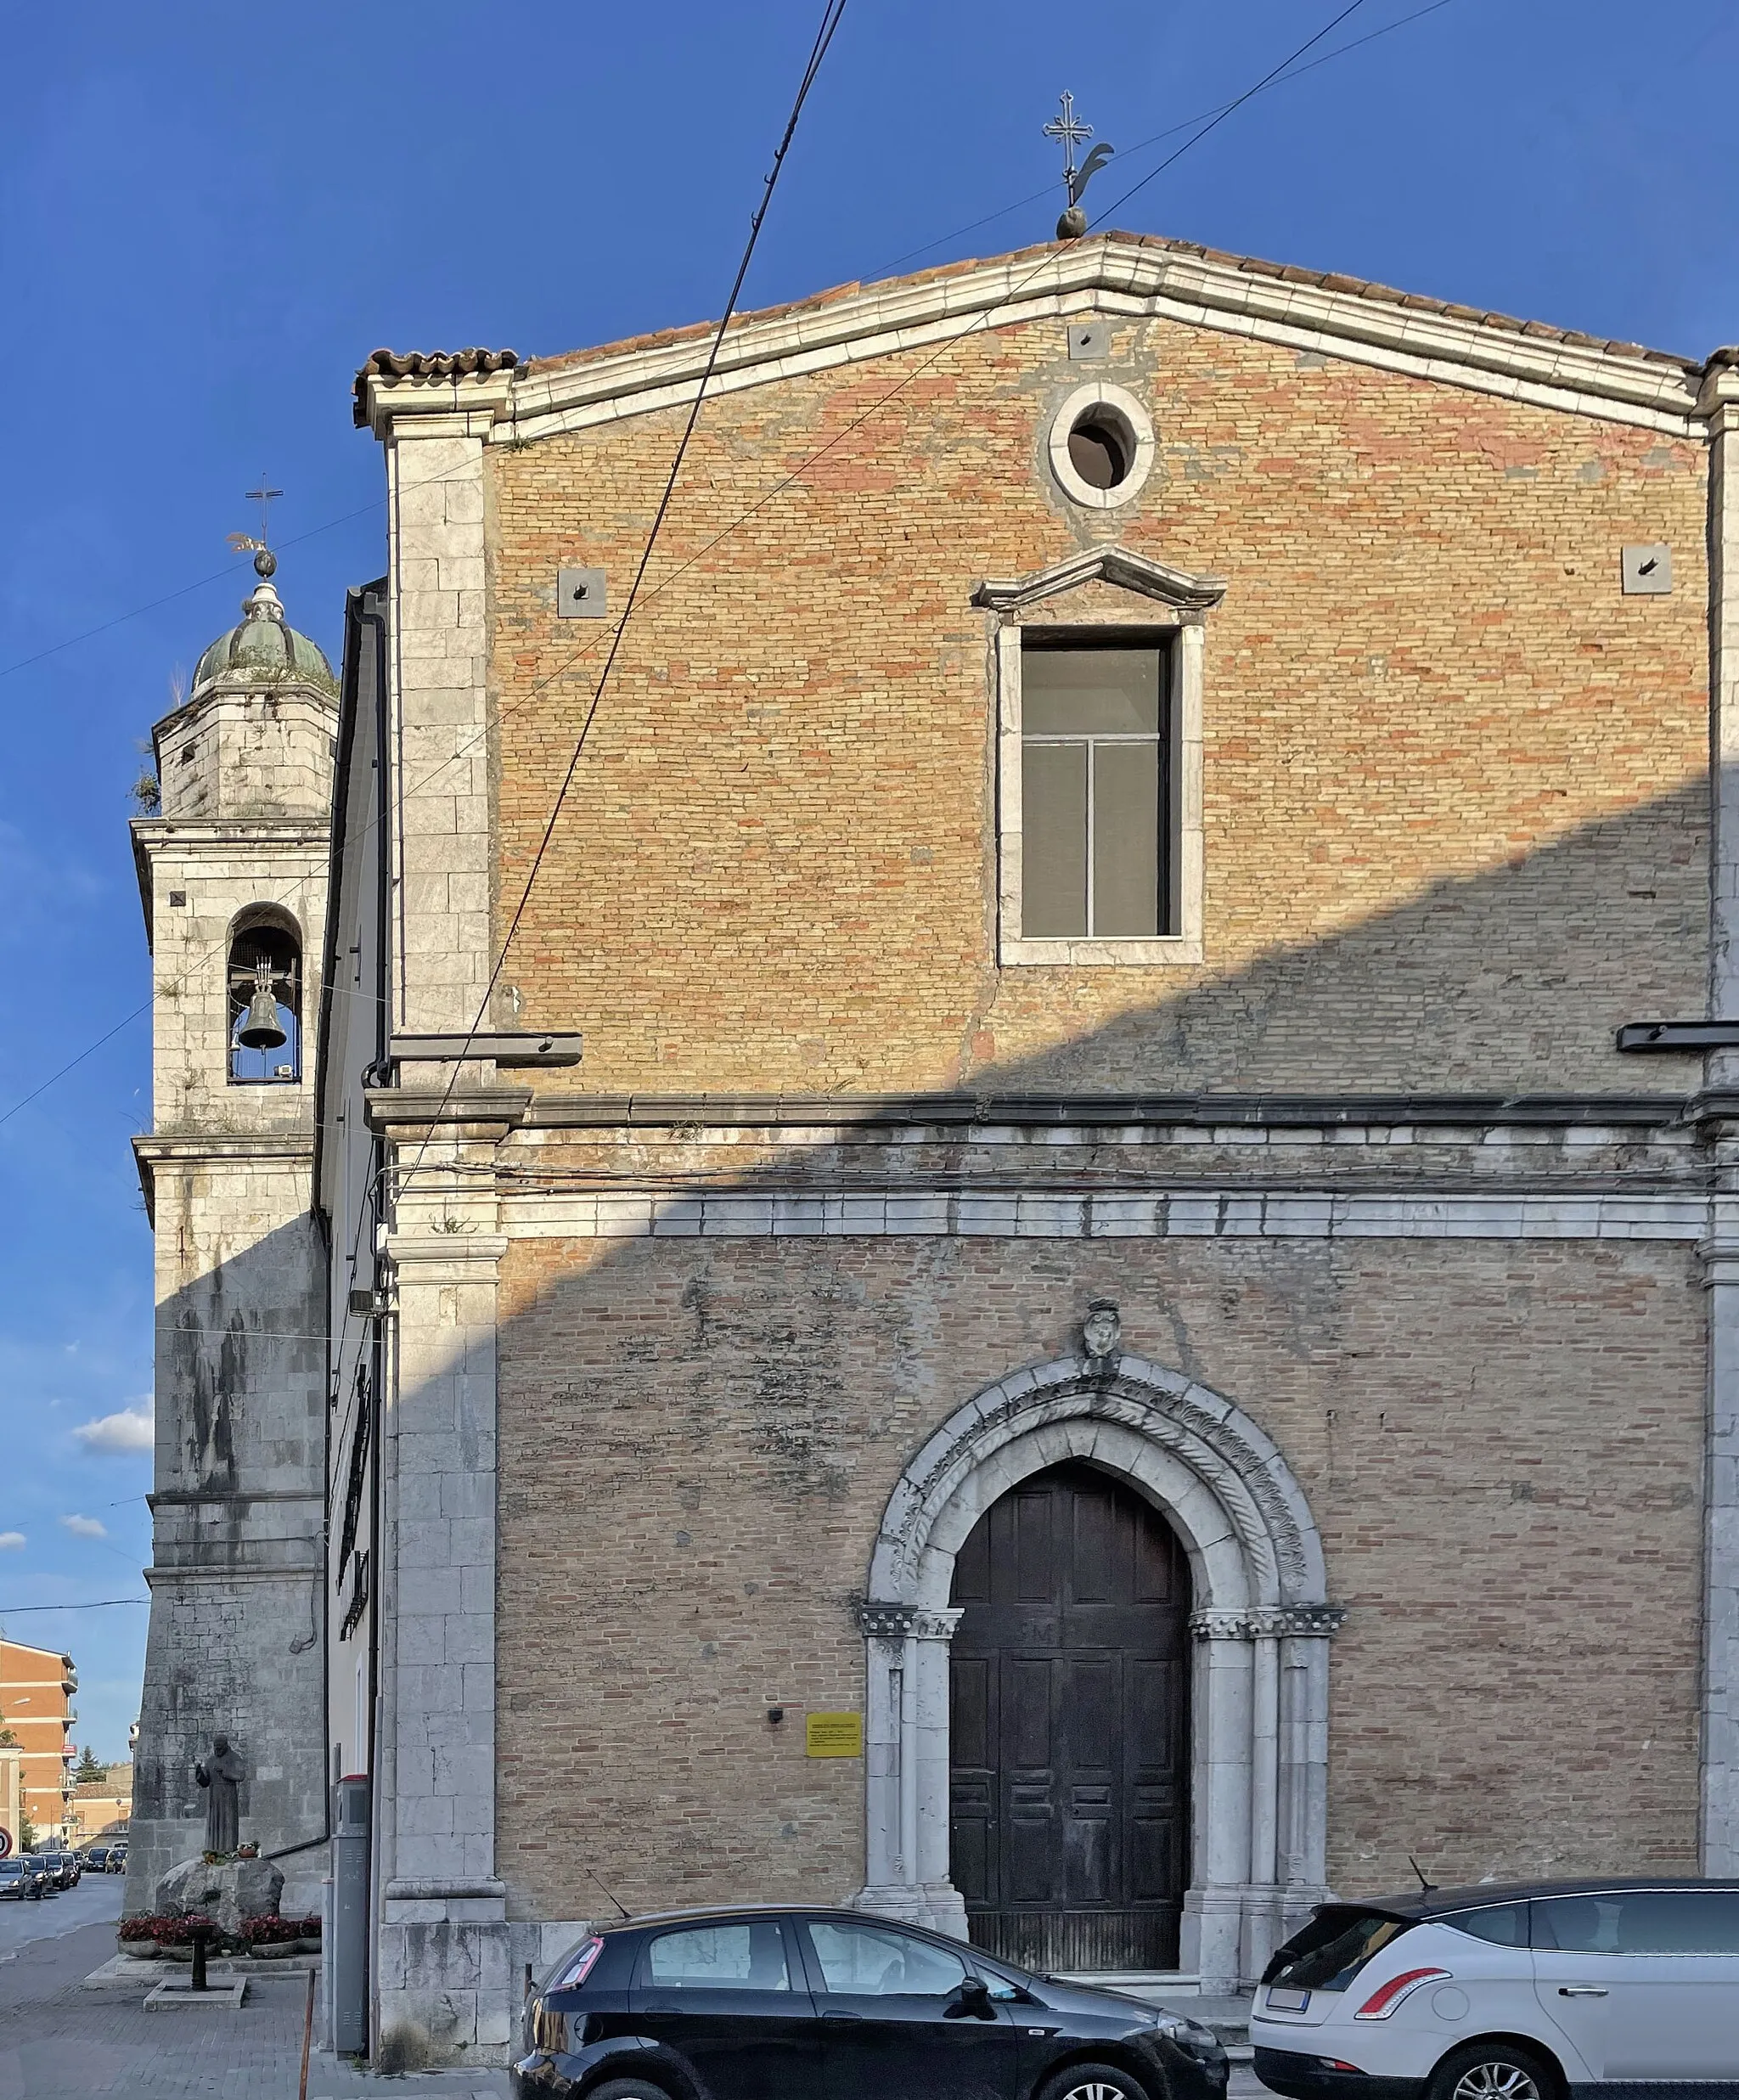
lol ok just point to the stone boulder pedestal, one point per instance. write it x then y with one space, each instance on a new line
226 1894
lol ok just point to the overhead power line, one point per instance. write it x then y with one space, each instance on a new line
1281 78
830 16
1274 76
96 1604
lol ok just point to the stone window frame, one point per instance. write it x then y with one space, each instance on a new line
1135 427
1177 603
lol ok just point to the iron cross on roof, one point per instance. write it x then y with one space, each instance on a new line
263 496
1069 132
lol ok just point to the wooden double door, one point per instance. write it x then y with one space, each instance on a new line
1069 1726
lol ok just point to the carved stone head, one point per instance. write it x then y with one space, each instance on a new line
1101 1329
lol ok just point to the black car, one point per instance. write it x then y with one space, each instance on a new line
63 1868
96 1858
763 2004
42 1881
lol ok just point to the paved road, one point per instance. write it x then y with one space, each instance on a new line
96 1900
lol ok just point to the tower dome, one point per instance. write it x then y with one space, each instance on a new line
265 648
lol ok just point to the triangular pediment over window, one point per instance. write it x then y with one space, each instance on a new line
1116 565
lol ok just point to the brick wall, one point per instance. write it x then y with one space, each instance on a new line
1454 794
1501 1445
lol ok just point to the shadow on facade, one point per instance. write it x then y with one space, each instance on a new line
699 1435
235 1645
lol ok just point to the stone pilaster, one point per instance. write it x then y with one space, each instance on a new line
1719 1846
443 1938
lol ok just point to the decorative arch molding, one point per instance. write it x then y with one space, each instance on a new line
1262 1622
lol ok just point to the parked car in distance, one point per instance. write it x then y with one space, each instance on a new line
117 1859
64 1867
838 2006
96 1858
42 1881
16 1880
1517 1993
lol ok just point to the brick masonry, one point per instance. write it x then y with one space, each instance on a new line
1445 758
1502 1447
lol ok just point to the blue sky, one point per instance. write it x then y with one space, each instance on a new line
209 215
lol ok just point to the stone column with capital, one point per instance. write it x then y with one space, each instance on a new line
1261 1810
906 1767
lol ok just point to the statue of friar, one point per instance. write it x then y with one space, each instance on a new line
221 1775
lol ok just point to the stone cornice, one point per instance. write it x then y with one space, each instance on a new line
555 1109
462 404
1117 278
153 1149
202 1148
1117 566
212 836
404 1113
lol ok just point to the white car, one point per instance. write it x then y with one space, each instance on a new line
1559 1990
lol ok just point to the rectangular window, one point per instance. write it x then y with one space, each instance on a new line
1098 848
1096 785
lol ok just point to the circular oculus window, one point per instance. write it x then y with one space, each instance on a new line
1101 447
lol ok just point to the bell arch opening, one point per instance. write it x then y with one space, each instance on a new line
265 981
1256 1668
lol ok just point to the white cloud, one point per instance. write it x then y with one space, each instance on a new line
131 1430
11 1541
85 1526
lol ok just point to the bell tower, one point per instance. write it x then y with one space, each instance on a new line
233 876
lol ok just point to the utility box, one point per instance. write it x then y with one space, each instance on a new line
347 1938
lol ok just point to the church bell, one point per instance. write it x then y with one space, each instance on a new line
261 1030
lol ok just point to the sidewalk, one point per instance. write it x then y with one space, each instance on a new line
60 2041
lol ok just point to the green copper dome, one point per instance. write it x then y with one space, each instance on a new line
265 648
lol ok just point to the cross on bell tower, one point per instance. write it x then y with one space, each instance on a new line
263 496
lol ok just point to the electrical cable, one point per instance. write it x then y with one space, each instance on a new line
778 488
97 1604
832 13
1171 131
347 517
1214 122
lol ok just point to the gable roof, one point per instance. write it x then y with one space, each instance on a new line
1136 275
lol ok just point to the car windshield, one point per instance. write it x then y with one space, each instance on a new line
1329 1951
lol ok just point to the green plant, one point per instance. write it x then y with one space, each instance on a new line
9 1738
89 1772
26 1834
147 793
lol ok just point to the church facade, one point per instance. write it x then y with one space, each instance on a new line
1059 1262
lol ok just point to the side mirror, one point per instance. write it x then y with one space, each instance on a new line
970 2000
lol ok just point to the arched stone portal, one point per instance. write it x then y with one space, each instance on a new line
1262 1625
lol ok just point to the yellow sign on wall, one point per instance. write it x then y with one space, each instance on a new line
834 1735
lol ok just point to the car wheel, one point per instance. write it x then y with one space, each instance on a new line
1092 2082
628 2089
1493 2070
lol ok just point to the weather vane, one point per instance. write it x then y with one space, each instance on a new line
1070 133
265 561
